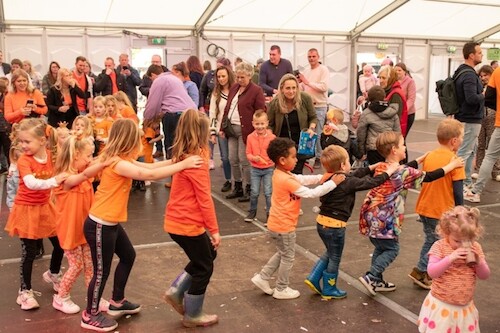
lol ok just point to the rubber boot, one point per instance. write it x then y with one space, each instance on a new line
312 280
237 191
175 294
194 316
330 289
246 194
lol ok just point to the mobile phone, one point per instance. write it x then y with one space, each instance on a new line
125 68
30 102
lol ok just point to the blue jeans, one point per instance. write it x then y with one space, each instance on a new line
224 156
466 150
282 260
334 239
256 176
429 225
386 250
321 114
492 155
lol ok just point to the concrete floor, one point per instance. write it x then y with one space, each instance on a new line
245 248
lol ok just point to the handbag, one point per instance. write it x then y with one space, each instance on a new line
307 145
226 126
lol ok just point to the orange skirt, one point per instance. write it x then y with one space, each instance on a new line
32 222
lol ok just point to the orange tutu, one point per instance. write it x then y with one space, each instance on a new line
32 222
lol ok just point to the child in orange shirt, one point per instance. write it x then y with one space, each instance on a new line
125 107
103 228
33 215
455 261
148 138
191 191
82 126
101 123
261 166
288 189
73 200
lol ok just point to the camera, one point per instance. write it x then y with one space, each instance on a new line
296 73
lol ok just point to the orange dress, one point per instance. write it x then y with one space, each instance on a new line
33 214
147 148
72 208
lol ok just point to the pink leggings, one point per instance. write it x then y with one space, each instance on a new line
79 260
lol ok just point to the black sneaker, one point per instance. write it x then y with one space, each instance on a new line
98 322
123 308
226 187
368 284
384 286
251 216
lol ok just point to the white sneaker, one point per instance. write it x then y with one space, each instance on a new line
147 183
497 178
262 284
472 197
26 299
54 279
301 212
475 175
287 293
65 304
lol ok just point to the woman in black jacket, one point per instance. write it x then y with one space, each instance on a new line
61 99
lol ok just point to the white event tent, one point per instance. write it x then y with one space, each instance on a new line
427 35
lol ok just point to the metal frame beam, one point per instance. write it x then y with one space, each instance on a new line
358 30
468 3
207 14
485 34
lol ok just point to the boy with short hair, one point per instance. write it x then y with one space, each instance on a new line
438 196
261 166
382 212
336 208
288 189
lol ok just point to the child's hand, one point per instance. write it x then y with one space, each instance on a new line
457 162
215 240
61 177
338 178
460 253
373 166
393 167
194 161
421 159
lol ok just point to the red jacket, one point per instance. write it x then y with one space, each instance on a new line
403 114
250 100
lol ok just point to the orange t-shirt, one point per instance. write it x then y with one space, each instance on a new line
114 86
457 284
190 208
82 82
495 83
14 102
101 129
72 208
27 165
128 112
111 198
285 205
147 148
437 197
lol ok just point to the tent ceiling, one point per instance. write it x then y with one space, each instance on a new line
433 19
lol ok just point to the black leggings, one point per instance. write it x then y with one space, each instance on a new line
29 250
104 242
201 254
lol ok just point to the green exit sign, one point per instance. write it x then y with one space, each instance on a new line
157 41
493 54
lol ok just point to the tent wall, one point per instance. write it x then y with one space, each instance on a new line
42 46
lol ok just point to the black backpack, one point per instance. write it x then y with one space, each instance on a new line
447 95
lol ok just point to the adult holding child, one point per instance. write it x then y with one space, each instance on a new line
61 99
394 94
24 101
244 98
290 112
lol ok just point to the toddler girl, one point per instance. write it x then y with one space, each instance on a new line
101 123
454 263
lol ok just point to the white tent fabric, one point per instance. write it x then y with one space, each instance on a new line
430 19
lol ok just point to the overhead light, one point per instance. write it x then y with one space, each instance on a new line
382 46
451 49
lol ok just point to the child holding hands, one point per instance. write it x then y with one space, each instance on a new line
288 189
455 261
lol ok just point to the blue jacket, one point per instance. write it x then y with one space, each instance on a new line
470 96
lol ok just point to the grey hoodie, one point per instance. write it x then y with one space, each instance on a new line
378 118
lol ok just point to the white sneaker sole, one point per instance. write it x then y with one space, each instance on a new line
368 287
258 283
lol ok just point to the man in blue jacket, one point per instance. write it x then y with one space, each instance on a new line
470 99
